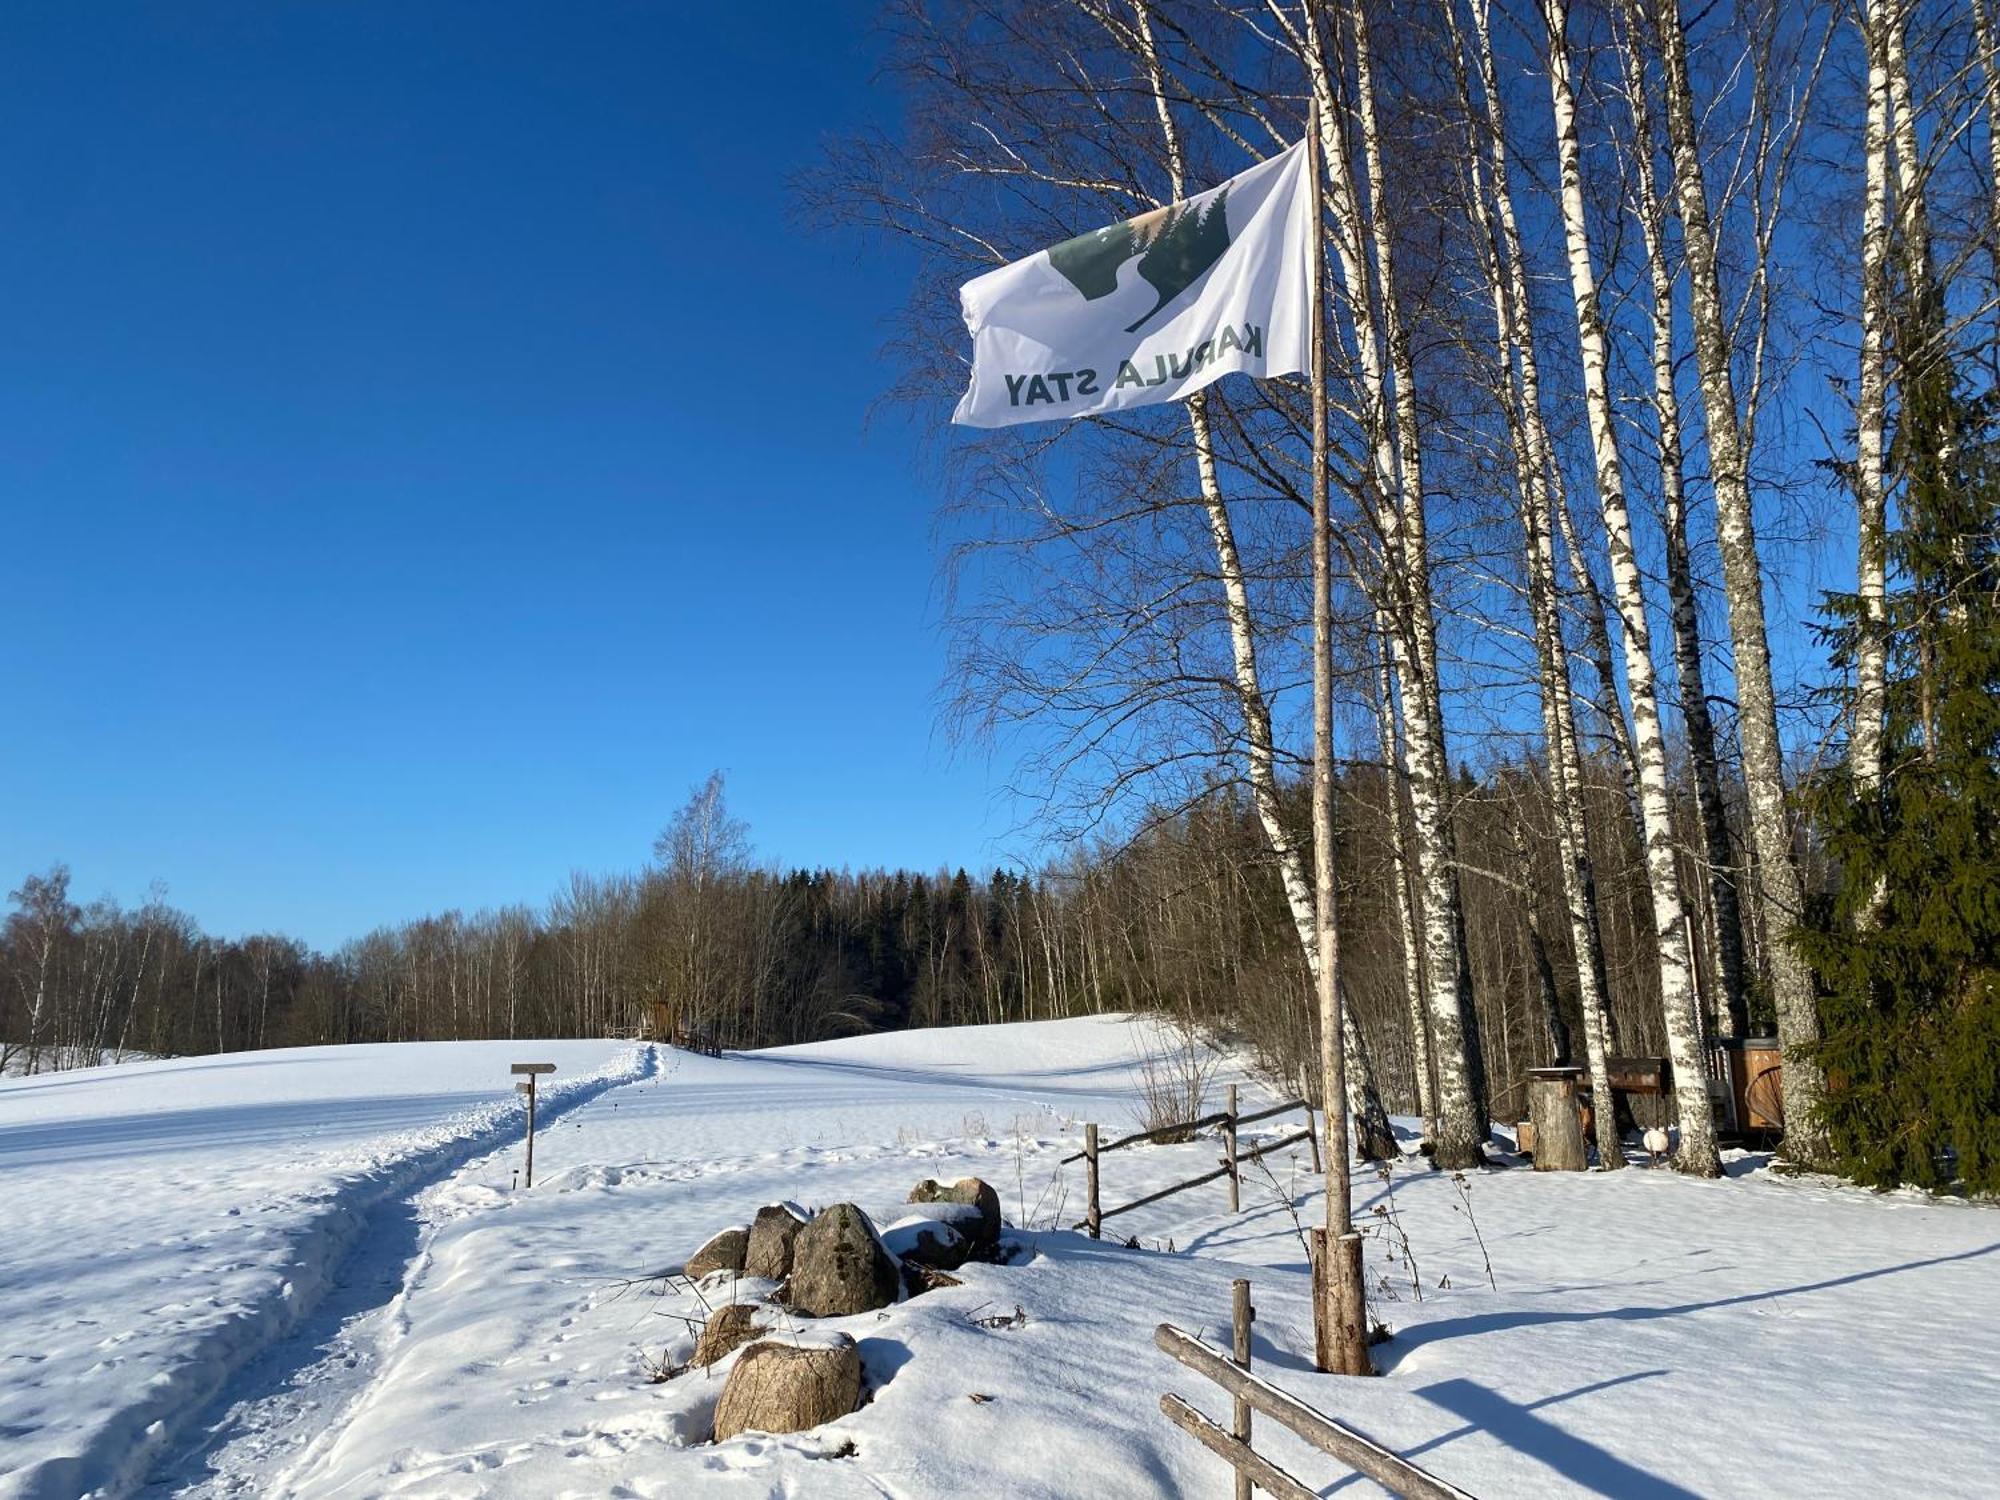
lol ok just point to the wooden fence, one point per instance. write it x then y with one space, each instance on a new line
1249 1394
1232 1161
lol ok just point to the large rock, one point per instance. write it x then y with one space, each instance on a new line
727 1330
779 1386
839 1266
924 1240
986 1238
771 1237
723 1253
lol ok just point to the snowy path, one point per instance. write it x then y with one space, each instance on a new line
166 1223
1649 1337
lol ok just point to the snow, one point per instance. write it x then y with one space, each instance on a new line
308 1273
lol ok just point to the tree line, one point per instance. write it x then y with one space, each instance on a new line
1187 918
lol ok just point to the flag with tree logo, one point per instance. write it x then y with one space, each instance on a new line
1149 309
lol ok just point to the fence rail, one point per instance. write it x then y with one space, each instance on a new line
1092 1154
1251 1394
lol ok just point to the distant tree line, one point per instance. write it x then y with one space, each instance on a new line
1187 918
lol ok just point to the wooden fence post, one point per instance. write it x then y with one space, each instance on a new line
1242 1315
1312 1136
1229 1155
1091 1216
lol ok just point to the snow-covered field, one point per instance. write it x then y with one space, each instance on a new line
308 1273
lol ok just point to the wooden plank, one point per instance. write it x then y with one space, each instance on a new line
1352 1447
1237 1454
1146 1135
1278 1145
1276 1109
1179 1187
534 1067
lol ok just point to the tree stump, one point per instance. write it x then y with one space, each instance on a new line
1558 1127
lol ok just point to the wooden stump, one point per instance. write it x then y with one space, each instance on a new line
1558 1127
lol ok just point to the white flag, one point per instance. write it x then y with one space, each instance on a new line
1151 309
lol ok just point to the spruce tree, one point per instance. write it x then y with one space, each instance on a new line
1907 949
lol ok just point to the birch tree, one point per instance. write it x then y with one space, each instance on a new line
1696 1153
1690 672
1490 197
1780 891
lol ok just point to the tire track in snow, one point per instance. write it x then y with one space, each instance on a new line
353 1257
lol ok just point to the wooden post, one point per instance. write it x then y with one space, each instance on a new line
1229 1155
1091 1216
1312 1139
1558 1128
529 1072
1340 1314
1333 1344
1242 1315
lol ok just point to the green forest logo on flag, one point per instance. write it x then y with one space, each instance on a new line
1175 246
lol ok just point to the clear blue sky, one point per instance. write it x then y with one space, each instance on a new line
429 444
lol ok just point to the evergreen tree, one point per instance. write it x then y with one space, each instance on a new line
1907 951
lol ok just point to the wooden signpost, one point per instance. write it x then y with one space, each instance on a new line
527 1086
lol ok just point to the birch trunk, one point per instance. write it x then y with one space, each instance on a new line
1597 648
1983 41
1718 848
1461 1124
1375 1139
1864 745
1396 772
1493 210
1779 890
1681 1006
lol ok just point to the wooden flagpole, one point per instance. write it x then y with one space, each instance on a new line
1340 1312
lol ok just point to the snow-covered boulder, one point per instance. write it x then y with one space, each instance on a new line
839 1266
771 1237
936 1242
788 1387
725 1252
969 1190
727 1330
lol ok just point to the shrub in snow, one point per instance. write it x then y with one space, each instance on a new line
786 1387
839 1266
985 1236
771 1236
725 1252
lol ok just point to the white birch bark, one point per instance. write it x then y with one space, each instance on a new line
1987 45
1696 1153
1778 886
1864 745
1609 704
1717 845
1375 1140
1493 209
1396 772
1461 1128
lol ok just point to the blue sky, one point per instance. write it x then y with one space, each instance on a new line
429 444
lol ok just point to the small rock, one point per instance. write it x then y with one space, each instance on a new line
771 1236
723 1253
727 1330
840 1267
786 1387
970 1190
